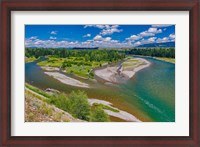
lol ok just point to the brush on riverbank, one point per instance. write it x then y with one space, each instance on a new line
42 108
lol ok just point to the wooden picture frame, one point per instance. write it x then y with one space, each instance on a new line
7 6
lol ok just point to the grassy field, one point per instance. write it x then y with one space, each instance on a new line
31 59
73 65
171 60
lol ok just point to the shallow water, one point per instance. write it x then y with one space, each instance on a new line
149 95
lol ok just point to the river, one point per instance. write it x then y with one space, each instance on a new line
149 95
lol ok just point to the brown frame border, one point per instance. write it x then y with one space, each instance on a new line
193 6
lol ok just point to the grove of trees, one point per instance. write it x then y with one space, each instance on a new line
154 52
89 55
100 55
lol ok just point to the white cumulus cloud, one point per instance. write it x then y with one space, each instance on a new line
154 30
106 29
161 25
53 32
163 40
134 37
97 26
52 38
98 37
33 37
150 32
107 39
145 34
87 35
172 36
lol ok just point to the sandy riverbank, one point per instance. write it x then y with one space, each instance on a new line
67 80
111 74
47 68
121 114
131 73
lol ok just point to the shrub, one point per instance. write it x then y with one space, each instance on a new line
79 105
91 75
98 115
76 104
61 101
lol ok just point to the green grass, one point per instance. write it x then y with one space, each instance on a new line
40 97
52 62
171 60
132 63
37 90
73 65
82 71
30 59
105 107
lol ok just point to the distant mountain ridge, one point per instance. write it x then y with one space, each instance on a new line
85 48
166 44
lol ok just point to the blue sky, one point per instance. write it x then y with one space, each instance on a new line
109 36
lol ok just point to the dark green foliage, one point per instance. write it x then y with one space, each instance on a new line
91 74
75 103
98 115
99 55
61 101
156 52
66 64
89 55
79 105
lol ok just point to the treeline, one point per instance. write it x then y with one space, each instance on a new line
99 55
169 53
90 55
